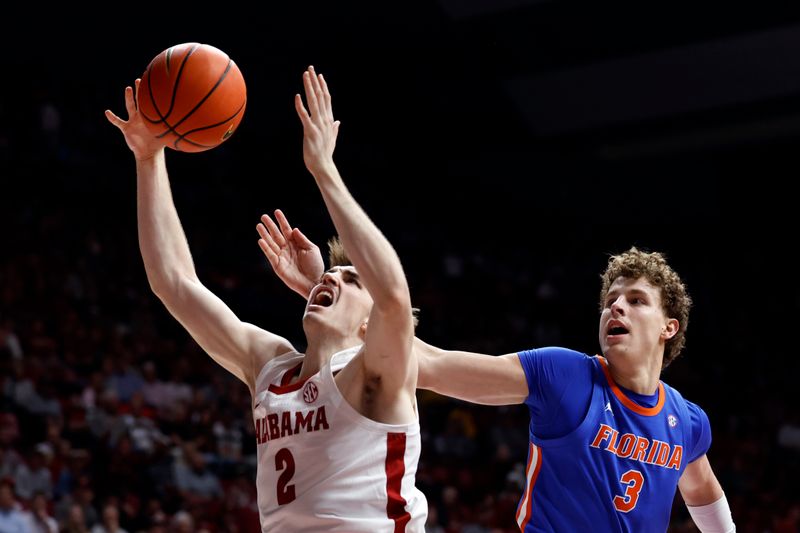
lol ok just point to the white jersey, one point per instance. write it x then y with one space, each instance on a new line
322 466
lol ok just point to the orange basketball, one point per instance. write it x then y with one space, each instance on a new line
192 95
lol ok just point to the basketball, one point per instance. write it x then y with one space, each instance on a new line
193 96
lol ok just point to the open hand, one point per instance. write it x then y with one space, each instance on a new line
142 143
295 259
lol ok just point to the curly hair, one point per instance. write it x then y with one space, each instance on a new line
652 266
337 256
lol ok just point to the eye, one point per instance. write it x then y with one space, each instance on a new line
353 280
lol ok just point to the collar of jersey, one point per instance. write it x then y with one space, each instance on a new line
627 402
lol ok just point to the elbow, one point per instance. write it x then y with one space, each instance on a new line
395 302
425 377
157 286
168 288
161 285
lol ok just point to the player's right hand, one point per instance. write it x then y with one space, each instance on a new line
142 143
295 259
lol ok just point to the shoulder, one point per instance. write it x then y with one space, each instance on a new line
554 354
555 365
695 411
697 414
277 365
699 426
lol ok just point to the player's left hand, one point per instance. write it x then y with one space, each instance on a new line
319 128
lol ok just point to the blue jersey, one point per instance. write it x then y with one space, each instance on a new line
601 458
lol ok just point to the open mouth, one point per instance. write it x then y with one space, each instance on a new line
617 330
323 297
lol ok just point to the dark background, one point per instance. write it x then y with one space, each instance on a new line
506 149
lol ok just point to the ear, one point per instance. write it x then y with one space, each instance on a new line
670 329
362 329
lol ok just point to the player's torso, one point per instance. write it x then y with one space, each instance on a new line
618 471
322 465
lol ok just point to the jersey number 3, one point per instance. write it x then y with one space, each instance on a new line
634 481
285 461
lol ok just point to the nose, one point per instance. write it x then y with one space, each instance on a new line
330 278
617 307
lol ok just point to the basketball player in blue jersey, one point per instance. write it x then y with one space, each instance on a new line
337 430
609 442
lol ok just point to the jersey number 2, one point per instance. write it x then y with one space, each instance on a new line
285 461
634 481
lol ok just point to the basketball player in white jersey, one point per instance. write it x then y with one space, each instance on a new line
337 427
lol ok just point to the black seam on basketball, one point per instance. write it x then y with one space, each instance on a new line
163 117
183 136
206 97
192 143
175 87
217 124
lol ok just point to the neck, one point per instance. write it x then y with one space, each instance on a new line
639 376
320 351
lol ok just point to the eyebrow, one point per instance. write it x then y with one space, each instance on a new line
352 274
636 292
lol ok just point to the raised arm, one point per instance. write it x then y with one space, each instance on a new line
390 327
239 347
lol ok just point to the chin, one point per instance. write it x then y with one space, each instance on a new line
614 348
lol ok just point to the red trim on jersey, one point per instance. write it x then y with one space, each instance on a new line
395 470
627 402
285 386
528 494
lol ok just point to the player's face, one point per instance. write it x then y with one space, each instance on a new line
340 300
632 320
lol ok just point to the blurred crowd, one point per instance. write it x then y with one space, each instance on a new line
112 419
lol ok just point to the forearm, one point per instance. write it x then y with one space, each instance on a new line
704 498
162 242
714 517
373 256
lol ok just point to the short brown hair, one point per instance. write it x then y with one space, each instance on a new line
337 256
653 267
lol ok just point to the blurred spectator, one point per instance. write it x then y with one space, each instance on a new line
12 519
94 390
110 520
183 522
75 469
35 476
77 507
193 479
122 377
457 440
154 390
789 434
10 459
39 515
74 521
9 341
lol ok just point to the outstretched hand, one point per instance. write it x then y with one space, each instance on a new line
319 128
142 143
295 259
